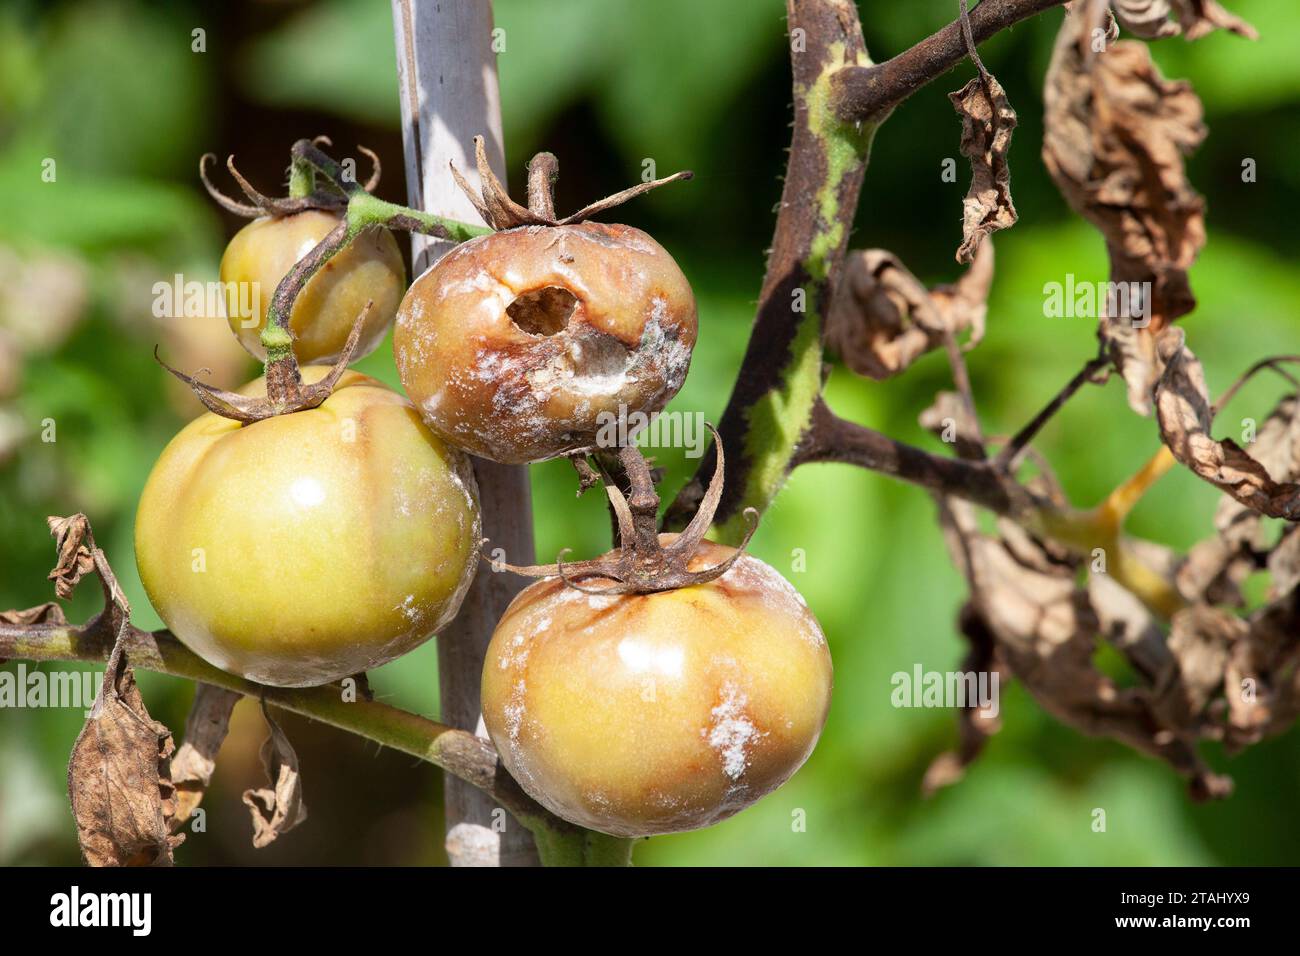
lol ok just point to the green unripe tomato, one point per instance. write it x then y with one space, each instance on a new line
369 269
311 546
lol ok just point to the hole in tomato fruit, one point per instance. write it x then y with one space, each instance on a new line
543 311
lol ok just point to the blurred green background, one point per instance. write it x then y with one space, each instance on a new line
111 90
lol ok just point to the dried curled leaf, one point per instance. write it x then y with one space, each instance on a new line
1044 627
987 122
1199 643
1148 19
278 808
1262 681
1199 17
1133 350
47 613
1116 132
196 758
1284 563
1128 625
1184 414
1216 567
950 420
77 557
118 779
882 318
1154 19
74 542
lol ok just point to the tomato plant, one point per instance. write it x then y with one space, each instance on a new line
316 524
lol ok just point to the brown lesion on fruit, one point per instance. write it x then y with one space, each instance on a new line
544 311
645 562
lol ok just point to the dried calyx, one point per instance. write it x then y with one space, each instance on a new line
286 392
303 183
642 564
501 212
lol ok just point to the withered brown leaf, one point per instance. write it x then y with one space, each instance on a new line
118 779
987 122
1133 350
278 808
196 758
47 613
1184 414
950 420
1284 563
1115 134
882 318
1045 627
74 542
1262 683
1199 642
1216 567
1199 17
1148 19
1152 19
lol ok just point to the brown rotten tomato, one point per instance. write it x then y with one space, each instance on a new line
523 345
369 268
309 546
636 714
517 346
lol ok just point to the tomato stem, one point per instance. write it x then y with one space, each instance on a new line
367 210
302 179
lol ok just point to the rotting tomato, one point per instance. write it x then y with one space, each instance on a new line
518 346
369 268
639 714
310 546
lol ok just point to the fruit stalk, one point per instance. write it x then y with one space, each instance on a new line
283 380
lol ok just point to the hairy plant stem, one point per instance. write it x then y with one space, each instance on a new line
868 92
780 378
367 210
